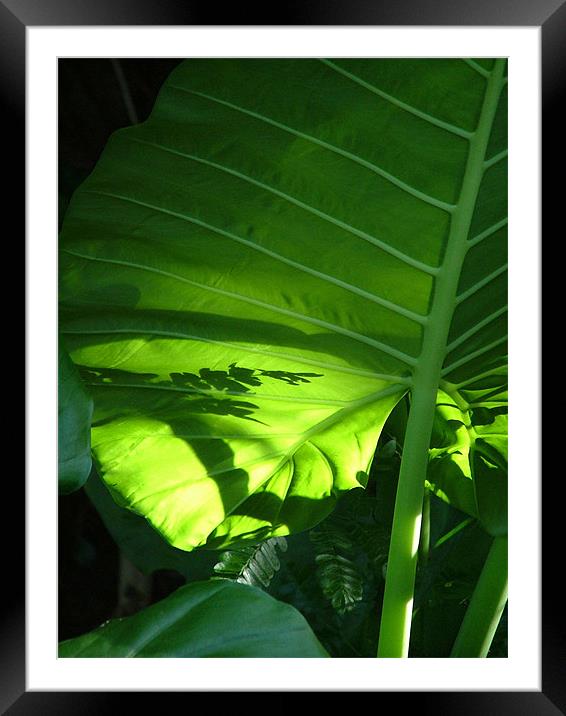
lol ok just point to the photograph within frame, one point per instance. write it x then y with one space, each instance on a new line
351 126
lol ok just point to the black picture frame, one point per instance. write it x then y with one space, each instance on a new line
550 16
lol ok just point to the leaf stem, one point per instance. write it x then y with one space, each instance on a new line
424 543
405 535
486 606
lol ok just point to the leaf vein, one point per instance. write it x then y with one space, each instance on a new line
459 131
472 331
474 354
475 66
480 284
487 233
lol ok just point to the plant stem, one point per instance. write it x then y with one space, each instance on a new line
424 542
405 534
486 606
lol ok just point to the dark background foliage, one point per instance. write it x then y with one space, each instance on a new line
96 97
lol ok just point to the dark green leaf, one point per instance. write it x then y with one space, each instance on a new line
204 619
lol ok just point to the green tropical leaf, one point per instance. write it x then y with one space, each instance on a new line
74 416
204 619
254 277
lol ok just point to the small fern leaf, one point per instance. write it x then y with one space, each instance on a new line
279 542
339 578
255 565
340 581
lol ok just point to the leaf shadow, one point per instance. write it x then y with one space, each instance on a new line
219 461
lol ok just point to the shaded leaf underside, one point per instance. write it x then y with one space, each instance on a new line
246 279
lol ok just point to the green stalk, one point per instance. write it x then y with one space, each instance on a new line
424 543
401 566
486 606
403 550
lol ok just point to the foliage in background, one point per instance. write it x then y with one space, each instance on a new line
74 416
468 454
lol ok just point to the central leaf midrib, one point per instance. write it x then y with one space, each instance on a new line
445 299
399 590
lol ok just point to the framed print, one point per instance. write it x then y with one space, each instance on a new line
282 281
